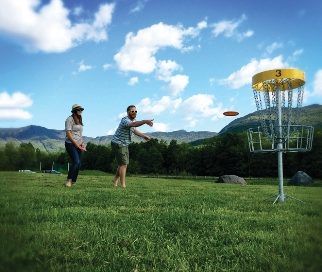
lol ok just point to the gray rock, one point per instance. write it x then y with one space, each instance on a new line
231 179
300 178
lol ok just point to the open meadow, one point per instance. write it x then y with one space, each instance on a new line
156 224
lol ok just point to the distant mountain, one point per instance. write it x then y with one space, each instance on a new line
311 115
31 132
53 140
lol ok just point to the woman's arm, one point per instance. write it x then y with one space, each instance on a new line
70 137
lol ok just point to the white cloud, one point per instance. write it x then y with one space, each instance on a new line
84 67
107 66
139 6
274 46
202 25
178 83
202 105
229 28
133 81
244 75
191 110
47 27
160 127
317 84
14 114
138 52
166 103
195 31
16 100
296 54
11 106
165 68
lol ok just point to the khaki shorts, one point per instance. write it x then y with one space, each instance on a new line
121 154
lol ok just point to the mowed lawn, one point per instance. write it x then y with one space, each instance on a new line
156 225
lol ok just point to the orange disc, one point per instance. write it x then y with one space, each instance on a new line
230 113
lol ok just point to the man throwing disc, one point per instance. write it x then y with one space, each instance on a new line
122 139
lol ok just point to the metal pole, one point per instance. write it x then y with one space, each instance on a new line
280 148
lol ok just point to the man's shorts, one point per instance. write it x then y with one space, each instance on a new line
121 154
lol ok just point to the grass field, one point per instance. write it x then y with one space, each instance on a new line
156 225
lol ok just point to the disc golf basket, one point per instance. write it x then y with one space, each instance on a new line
278 96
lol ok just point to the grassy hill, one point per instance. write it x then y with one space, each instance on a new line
311 115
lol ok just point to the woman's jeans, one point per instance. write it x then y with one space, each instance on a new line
75 154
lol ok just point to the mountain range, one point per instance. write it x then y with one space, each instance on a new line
52 140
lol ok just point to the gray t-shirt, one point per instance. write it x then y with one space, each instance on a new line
77 130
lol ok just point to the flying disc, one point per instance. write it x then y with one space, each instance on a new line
230 113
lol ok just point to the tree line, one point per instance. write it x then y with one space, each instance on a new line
224 154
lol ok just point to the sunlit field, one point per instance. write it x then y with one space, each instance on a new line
156 224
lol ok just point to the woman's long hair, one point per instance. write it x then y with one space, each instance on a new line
77 118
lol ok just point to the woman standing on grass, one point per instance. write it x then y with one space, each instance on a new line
74 143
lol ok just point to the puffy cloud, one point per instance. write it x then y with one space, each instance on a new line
191 110
230 29
47 27
138 52
166 68
160 127
133 81
11 106
244 75
84 67
317 84
178 83
202 105
16 100
14 114
166 103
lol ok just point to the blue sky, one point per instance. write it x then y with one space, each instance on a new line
181 62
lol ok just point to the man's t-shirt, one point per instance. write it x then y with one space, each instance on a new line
123 133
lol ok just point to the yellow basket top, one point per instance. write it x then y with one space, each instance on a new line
282 79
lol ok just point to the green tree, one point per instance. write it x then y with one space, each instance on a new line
12 156
27 156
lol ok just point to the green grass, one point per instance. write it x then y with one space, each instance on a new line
155 225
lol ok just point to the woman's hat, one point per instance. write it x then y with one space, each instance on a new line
77 107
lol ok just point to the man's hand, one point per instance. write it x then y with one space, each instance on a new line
146 137
149 122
